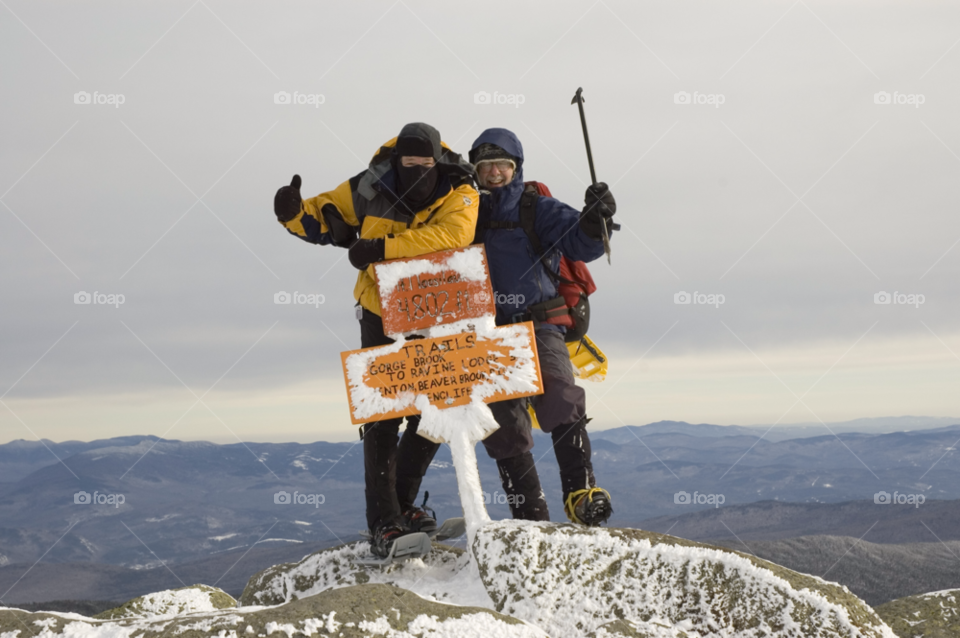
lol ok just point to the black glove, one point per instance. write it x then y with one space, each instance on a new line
365 252
286 203
342 233
600 207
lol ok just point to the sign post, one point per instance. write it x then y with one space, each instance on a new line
448 361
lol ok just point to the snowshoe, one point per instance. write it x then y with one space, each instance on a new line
391 543
588 507
450 528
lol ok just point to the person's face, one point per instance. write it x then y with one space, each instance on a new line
495 174
413 160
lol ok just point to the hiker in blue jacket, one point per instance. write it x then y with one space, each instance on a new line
525 281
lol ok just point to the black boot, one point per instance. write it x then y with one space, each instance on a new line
521 483
583 501
572 447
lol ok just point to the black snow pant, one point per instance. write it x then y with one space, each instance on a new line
392 472
561 412
510 447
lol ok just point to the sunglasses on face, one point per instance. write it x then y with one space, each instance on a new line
501 165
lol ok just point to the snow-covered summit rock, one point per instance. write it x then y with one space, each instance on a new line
362 611
173 602
575 581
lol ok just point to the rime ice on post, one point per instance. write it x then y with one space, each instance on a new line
463 361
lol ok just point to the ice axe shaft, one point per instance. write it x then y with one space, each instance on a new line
578 100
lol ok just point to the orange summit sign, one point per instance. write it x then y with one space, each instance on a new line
473 359
435 289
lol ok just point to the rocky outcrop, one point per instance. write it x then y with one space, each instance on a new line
575 581
186 600
933 615
337 567
348 612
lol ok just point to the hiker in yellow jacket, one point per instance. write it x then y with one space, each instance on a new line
417 196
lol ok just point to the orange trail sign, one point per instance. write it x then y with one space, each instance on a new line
454 370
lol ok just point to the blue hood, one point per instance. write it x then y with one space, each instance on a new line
518 275
501 137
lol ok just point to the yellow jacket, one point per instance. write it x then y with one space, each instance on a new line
366 201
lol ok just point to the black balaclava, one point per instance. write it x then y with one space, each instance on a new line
417 184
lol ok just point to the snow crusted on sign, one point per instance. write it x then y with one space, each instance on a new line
467 263
367 401
570 581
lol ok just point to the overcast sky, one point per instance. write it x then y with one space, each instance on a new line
782 185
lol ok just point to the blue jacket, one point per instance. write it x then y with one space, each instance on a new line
515 268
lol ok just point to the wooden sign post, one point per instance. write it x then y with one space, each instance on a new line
448 361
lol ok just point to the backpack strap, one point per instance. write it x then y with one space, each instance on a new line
528 222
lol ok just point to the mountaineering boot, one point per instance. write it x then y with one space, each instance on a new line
589 507
572 447
521 483
421 519
384 537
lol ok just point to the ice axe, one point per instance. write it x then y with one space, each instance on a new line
578 100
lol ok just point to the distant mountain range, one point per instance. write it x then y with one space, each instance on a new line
932 522
183 501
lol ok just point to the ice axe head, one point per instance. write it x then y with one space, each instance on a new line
578 96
